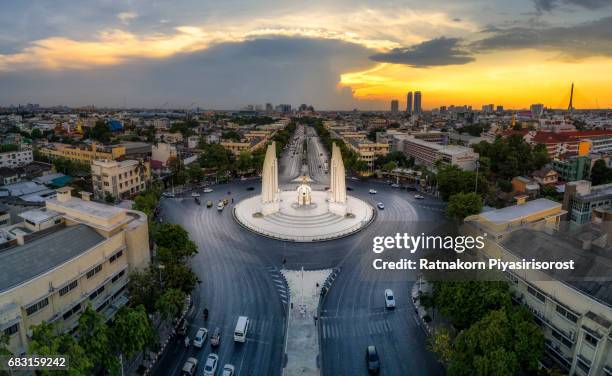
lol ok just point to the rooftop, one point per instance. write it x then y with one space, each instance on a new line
89 208
515 212
39 215
593 267
25 262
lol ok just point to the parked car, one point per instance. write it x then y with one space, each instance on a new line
200 337
207 190
373 191
190 367
389 299
195 194
215 339
381 206
228 370
372 359
419 197
210 367
250 188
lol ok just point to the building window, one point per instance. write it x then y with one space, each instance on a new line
114 257
119 275
72 311
66 289
582 364
567 314
590 339
37 306
95 294
561 338
536 294
11 329
94 271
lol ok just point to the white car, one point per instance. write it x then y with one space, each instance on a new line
372 191
380 205
389 299
220 206
207 190
190 367
210 367
395 185
419 197
195 194
228 370
200 337
168 194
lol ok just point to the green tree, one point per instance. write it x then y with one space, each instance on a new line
231 135
109 198
95 338
144 288
175 242
461 205
244 162
441 344
453 180
48 341
36 133
132 331
600 173
179 276
389 166
100 131
170 303
195 173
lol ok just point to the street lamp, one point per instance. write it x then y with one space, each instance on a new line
160 267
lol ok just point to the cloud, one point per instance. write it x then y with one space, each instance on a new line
576 41
224 76
126 17
439 51
549 5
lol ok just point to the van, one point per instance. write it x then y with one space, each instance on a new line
242 326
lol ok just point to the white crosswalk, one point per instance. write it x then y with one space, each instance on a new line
333 330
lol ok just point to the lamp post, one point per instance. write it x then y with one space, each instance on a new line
160 267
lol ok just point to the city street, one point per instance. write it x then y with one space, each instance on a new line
239 273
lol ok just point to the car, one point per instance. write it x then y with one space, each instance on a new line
210 367
215 339
190 367
243 178
220 206
228 370
372 359
209 204
168 194
349 188
354 178
419 197
195 194
380 205
411 188
207 190
250 188
200 337
389 299
182 327
372 191
395 185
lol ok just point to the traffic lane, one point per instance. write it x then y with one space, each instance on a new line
224 293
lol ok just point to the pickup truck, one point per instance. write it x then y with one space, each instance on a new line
215 339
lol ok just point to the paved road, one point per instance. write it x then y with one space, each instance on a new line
239 273
317 156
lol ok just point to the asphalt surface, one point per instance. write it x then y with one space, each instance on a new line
239 273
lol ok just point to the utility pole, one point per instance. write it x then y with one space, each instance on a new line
476 185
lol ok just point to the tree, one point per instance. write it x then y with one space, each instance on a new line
194 171
550 193
36 133
600 173
144 288
441 344
244 162
48 341
453 180
109 198
179 276
461 205
132 331
170 303
99 132
231 135
175 243
389 166
95 339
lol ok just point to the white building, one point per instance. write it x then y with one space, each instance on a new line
119 179
428 153
163 153
16 158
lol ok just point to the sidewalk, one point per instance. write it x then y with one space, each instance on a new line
302 335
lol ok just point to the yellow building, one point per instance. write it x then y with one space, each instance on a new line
367 150
63 257
119 179
573 308
82 154
252 144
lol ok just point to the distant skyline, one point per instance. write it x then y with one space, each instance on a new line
349 54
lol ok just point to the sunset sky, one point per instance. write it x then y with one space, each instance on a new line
334 55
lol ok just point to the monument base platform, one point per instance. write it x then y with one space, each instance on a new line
308 223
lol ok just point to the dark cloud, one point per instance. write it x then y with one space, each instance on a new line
225 76
549 5
439 51
582 40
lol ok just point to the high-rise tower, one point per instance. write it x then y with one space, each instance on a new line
409 103
417 102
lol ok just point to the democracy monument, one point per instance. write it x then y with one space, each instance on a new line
304 214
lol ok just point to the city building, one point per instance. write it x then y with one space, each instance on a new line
251 144
82 153
163 153
537 110
573 309
18 158
417 103
488 108
394 105
409 103
525 185
580 198
121 180
367 150
546 176
77 253
573 168
429 153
